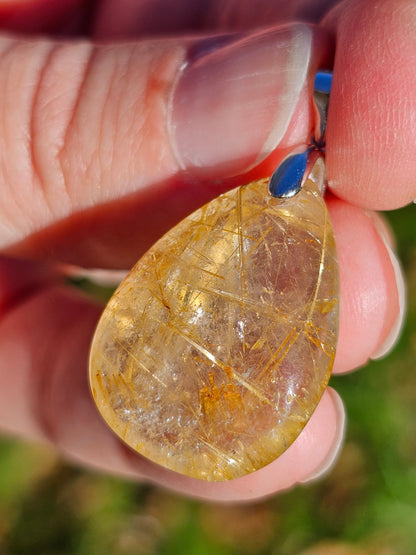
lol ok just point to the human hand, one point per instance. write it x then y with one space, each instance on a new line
97 162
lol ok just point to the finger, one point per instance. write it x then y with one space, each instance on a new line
309 457
42 16
36 364
45 339
372 287
97 135
372 116
129 18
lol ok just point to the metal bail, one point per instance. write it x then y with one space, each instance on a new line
288 178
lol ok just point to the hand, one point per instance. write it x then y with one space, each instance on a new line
100 155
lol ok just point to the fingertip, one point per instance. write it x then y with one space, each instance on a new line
310 456
335 414
391 339
386 233
370 293
371 123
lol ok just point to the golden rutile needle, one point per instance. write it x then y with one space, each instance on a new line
215 350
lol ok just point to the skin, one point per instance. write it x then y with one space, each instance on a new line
53 215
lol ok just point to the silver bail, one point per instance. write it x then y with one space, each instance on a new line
288 178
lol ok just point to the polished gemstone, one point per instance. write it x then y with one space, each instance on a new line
215 350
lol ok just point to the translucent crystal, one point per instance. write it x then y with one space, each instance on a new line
215 350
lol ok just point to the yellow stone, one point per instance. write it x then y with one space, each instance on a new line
215 350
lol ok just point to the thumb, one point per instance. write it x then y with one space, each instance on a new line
85 126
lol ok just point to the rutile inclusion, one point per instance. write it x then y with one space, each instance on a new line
215 350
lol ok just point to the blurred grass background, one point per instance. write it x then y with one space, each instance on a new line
365 506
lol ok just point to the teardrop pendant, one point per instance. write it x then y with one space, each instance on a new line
215 350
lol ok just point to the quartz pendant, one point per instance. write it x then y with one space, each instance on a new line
215 350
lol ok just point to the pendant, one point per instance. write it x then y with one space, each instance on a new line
215 350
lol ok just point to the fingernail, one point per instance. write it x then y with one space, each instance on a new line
232 105
338 439
392 337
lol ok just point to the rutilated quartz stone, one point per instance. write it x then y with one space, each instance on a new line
215 350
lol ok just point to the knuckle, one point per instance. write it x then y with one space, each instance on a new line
37 100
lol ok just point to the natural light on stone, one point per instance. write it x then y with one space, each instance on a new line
215 350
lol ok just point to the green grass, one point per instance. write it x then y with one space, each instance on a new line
365 506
